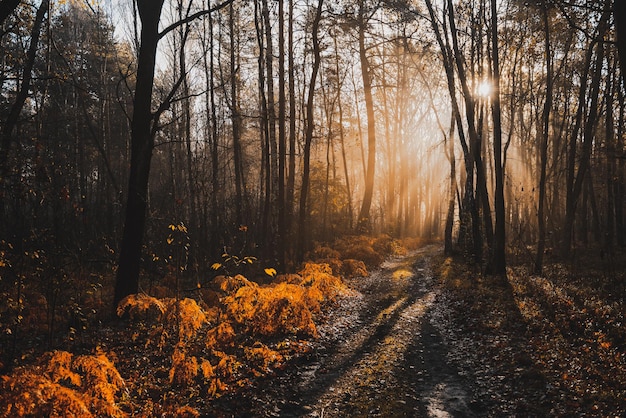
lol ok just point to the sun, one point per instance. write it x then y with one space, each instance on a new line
484 88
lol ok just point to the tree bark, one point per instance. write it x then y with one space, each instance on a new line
448 247
545 119
236 121
619 12
12 119
499 245
575 178
291 164
142 144
282 139
6 8
364 223
308 139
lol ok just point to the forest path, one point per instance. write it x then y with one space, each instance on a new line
380 353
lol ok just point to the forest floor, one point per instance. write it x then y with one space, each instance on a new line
424 337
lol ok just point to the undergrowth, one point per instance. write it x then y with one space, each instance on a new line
226 332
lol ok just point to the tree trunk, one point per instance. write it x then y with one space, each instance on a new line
282 139
575 179
142 144
364 223
545 120
12 119
342 139
499 247
236 121
468 212
291 172
448 244
308 139
619 11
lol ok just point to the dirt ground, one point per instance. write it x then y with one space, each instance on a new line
380 353
425 336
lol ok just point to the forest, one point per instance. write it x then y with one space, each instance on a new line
197 195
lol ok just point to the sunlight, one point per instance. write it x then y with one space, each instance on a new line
484 89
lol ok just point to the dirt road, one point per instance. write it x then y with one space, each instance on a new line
380 353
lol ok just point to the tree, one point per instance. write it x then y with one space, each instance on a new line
363 221
144 126
6 8
142 143
543 158
12 118
619 12
578 160
308 139
499 246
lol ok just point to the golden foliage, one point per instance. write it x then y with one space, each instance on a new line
141 307
83 386
188 315
222 335
288 278
208 372
323 252
215 387
285 309
59 368
28 392
227 364
230 284
321 278
354 268
262 356
273 310
187 412
184 368
288 305
372 251
102 381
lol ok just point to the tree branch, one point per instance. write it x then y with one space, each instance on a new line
193 17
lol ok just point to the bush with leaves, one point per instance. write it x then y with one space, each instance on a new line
63 385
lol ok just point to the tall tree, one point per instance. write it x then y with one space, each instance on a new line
498 262
585 122
142 144
619 16
303 229
144 126
13 117
363 221
543 150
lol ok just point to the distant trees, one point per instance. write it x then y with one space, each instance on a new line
545 110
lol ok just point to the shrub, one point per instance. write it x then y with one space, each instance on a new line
354 268
184 367
320 277
262 356
323 252
141 307
63 385
275 310
187 315
360 248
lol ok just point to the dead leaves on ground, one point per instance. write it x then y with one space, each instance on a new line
559 338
